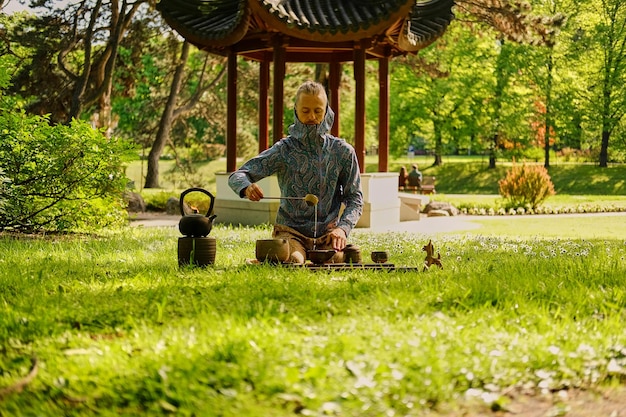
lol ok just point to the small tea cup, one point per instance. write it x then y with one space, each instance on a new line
352 254
380 257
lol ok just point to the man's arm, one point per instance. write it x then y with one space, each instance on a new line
353 197
257 168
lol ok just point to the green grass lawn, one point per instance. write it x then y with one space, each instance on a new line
554 226
471 175
116 328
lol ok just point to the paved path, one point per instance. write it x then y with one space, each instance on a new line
154 219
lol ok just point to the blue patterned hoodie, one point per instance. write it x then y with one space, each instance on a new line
309 161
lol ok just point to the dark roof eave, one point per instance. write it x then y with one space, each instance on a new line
319 33
180 19
222 26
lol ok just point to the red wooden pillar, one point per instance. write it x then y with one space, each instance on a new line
359 117
279 91
231 114
264 105
383 114
334 80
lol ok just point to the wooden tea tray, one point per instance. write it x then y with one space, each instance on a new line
345 267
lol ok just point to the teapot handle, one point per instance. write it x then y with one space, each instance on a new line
202 190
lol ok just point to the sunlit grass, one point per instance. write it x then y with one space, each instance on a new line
118 328
564 227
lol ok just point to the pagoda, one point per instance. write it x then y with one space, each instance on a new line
333 32
274 32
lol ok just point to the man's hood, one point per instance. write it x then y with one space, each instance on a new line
300 131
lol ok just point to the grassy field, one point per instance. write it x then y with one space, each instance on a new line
553 227
114 327
526 315
471 175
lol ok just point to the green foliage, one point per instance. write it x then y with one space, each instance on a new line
247 144
526 186
207 151
523 153
156 201
59 177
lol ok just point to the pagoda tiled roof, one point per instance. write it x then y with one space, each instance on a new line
216 25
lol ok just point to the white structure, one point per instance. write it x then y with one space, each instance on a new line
382 204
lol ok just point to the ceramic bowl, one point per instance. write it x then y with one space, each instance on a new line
272 250
320 256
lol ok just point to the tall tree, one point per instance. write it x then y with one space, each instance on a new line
75 55
441 93
610 36
515 21
173 111
502 72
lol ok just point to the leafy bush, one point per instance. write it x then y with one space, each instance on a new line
615 155
58 178
207 151
526 186
157 201
533 154
570 154
247 144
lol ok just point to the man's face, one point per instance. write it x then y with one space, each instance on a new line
311 109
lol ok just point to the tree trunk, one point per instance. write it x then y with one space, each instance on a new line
502 79
548 121
492 152
438 145
604 150
165 125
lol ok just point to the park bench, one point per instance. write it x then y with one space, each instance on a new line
427 186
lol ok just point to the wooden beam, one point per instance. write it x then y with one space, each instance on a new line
334 80
359 116
231 114
279 91
383 114
314 56
264 105
320 57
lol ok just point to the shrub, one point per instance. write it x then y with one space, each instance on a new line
533 154
526 186
58 178
157 201
568 154
206 151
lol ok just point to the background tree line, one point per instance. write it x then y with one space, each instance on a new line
509 78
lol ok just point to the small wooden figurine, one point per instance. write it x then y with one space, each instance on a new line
430 258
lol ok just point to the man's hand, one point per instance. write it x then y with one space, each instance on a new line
338 238
254 192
